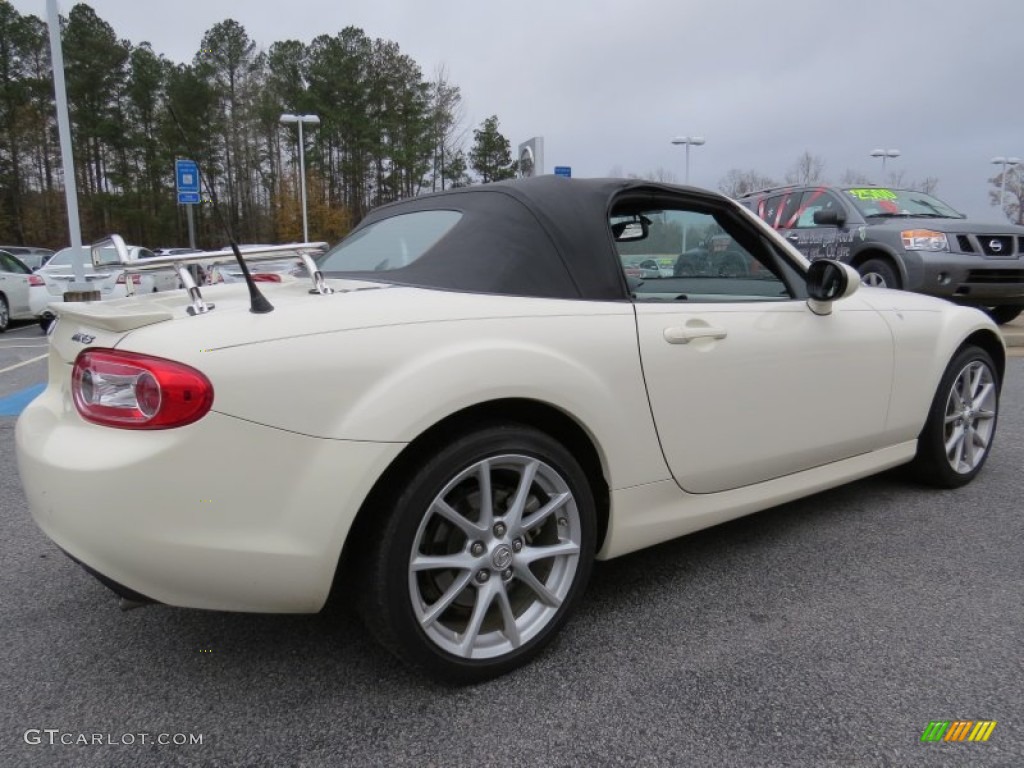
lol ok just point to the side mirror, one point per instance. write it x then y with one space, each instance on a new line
828 281
636 228
829 217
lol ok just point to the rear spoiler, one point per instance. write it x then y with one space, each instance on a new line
180 263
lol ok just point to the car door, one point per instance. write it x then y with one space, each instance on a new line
746 384
14 284
814 238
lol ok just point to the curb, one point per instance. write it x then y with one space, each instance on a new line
1013 333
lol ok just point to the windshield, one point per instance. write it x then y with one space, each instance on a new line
878 201
389 244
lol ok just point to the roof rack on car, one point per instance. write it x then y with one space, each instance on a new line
180 263
765 190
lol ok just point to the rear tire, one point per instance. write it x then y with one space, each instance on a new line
1004 314
484 552
957 437
879 273
5 314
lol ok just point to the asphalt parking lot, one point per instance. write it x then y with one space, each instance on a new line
826 632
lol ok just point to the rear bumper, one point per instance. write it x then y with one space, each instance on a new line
223 514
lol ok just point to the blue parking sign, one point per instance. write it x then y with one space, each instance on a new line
186 173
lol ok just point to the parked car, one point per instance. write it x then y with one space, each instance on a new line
901 238
109 279
173 251
198 270
30 255
478 403
16 285
273 271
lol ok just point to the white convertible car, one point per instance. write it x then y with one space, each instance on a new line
472 401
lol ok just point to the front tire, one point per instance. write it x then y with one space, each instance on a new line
5 314
879 273
485 551
957 437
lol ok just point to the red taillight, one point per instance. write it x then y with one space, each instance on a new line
36 280
136 279
266 277
132 391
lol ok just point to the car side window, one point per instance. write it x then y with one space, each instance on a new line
694 255
778 210
814 200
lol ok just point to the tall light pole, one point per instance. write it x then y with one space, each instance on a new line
1004 161
300 119
695 141
884 153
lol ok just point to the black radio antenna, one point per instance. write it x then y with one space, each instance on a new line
257 301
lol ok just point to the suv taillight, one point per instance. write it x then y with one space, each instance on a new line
36 280
133 391
136 279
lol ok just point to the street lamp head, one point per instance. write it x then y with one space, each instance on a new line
308 119
885 153
694 140
1005 160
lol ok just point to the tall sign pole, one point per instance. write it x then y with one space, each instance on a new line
67 159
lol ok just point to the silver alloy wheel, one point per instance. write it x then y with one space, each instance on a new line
874 280
495 556
970 417
5 316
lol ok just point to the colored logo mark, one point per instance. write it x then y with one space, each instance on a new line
958 730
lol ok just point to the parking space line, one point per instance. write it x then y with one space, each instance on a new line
14 404
23 362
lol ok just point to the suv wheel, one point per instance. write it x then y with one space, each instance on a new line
878 273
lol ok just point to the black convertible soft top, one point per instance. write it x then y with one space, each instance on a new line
546 236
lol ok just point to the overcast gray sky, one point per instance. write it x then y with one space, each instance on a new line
608 84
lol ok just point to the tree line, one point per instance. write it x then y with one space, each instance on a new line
386 132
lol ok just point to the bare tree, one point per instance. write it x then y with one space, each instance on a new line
928 185
737 182
900 180
661 175
447 115
807 169
1013 199
851 177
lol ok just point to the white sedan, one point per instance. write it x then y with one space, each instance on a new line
16 284
477 403
108 277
